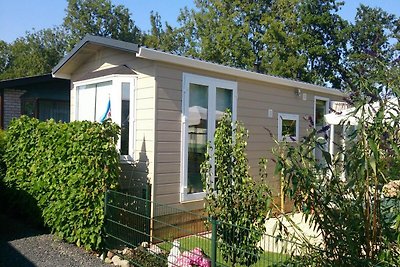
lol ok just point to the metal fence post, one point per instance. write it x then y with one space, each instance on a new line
104 246
213 242
105 203
148 206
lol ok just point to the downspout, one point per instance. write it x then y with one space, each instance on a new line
332 139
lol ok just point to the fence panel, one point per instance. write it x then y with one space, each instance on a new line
179 237
127 220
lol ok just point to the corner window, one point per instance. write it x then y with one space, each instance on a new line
288 127
204 102
109 97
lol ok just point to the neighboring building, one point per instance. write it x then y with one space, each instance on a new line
168 105
42 97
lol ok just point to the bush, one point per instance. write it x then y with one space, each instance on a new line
2 149
65 168
146 259
235 200
3 190
357 223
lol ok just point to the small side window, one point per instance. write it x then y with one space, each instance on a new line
125 118
288 127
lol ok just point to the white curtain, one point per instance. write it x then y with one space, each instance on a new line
93 100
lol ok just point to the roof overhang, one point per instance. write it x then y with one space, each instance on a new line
90 45
118 70
26 82
156 55
86 49
366 112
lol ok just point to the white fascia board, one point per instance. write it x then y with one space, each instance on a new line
61 75
156 55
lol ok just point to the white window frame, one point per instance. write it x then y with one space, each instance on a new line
327 105
287 116
212 84
116 102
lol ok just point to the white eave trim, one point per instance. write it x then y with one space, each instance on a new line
61 76
156 55
98 40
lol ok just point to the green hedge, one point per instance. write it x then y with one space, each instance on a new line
65 168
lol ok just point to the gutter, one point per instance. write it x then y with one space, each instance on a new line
156 55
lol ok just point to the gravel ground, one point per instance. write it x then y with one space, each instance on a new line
22 245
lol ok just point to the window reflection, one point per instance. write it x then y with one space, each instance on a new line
198 126
223 102
288 129
125 119
320 111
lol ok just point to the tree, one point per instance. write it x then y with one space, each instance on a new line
35 54
160 38
99 17
225 32
238 204
373 42
39 51
290 38
4 56
305 41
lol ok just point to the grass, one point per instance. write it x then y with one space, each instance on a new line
191 242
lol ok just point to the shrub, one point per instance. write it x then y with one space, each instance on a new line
2 150
146 259
2 172
239 204
356 221
66 168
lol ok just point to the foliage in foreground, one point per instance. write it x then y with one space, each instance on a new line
235 198
63 170
343 194
2 150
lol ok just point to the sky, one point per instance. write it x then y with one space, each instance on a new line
19 16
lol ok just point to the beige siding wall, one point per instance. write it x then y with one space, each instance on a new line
144 119
254 101
168 134
144 106
158 118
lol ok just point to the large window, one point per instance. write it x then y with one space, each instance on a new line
204 103
109 97
45 109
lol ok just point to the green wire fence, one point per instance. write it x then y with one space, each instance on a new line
152 234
